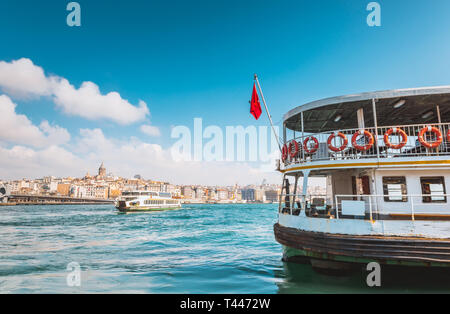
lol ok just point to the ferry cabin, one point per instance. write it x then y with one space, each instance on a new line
385 158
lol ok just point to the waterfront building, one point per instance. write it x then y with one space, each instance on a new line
248 195
222 194
63 189
271 195
199 193
187 192
174 190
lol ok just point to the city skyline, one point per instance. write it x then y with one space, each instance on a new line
115 91
105 186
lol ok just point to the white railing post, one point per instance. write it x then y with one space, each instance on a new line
291 198
412 208
303 137
337 207
375 119
370 207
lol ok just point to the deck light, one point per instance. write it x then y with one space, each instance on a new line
338 118
427 114
399 104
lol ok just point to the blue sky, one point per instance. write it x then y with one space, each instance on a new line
188 59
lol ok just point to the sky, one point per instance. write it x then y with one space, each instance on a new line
113 89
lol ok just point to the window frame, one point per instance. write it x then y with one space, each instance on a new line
425 196
404 190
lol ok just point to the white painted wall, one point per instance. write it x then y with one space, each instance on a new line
342 183
427 229
414 188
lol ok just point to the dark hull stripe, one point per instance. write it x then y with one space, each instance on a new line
380 248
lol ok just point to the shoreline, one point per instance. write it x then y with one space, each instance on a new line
56 203
112 203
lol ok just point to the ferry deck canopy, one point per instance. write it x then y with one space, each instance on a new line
420 106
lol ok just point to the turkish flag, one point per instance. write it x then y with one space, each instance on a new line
255 106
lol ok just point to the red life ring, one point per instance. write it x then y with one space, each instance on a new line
368 145
434 130
448 136
312 150
395 131
337 149
284 153
293 153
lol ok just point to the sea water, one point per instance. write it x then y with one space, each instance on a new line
197 249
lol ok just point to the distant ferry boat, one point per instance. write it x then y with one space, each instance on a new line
385 158
136 201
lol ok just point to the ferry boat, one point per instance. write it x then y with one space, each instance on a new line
136 201
385 158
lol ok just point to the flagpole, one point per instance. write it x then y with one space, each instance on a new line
267 111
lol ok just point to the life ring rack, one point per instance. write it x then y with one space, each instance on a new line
284 153
368 135
313 149
434 130
395 131
342 147
292 152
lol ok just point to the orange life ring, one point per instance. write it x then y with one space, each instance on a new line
395 131
312 150
284 153
368 145
337 149
434 130
293 153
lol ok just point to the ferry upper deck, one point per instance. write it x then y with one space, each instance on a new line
396 128
385 156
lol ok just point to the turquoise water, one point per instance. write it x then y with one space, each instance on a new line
199 249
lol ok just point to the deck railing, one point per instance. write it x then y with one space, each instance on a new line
379 149
408 206
290 203
370 207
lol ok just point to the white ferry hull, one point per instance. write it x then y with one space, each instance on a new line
147 209
122 207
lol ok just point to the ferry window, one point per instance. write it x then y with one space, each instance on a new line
394 189
433 190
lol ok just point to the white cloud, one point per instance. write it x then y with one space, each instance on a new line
22 162
56 135
22 78
18 129
150 130
89 103
123 158
127 158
